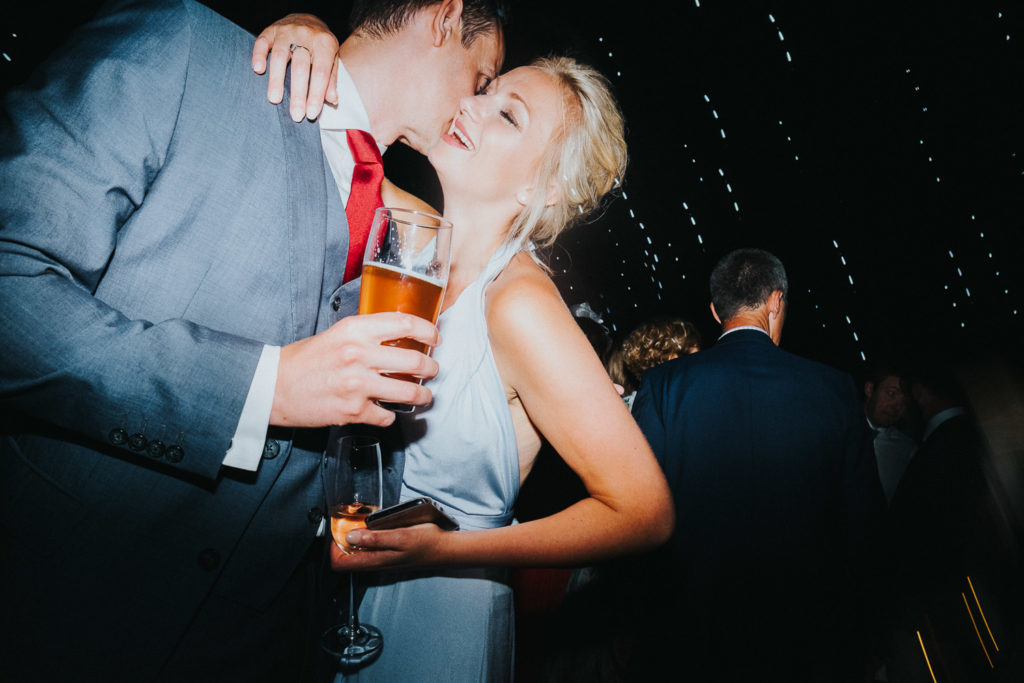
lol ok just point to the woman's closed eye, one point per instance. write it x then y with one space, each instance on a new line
510 118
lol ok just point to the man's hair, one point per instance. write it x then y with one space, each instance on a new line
378 18
878 371
745 278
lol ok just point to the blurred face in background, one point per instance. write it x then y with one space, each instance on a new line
886 402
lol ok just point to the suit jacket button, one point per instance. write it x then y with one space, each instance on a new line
118 436
271 449
208 559
137 442
155 449
336 303
175 454
315 515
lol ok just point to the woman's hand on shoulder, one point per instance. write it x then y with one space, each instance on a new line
312 49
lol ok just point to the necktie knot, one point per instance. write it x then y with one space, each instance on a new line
363 147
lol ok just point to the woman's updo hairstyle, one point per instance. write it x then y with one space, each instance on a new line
585 160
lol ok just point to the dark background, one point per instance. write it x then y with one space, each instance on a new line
886 150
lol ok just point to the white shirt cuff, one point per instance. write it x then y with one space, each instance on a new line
247 444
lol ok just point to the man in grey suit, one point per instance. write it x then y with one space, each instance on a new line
166 236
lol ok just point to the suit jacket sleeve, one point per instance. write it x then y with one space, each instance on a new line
80 149
647 410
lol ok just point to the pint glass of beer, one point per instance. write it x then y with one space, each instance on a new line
405 269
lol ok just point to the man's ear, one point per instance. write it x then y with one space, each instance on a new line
775 302
869 389
447 18
714 314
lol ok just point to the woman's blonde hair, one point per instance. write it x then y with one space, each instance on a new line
585 160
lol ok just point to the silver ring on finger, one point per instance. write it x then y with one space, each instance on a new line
293 47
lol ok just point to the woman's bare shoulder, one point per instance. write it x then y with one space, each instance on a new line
525 310
394 196
522 284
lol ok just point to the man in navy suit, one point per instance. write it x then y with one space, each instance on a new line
775 489
166 235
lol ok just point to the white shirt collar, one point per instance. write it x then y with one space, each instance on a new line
350 112
939 418
334 121
745 327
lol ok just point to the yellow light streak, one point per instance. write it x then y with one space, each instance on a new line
976 631
982 613
926 660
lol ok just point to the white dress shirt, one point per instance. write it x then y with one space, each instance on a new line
247 444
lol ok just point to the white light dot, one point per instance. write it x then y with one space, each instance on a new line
780 35
789 58
6 57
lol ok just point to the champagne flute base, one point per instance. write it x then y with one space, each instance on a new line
354 648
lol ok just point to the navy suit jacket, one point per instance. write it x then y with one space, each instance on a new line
160 222
775 488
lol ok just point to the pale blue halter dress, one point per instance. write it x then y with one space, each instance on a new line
454 625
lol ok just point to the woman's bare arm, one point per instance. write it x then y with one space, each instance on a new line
542 353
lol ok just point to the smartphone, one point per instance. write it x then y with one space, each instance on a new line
415 511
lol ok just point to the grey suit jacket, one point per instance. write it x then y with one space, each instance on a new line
159 223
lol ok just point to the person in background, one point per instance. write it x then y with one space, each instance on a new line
652 343
886 403
776 492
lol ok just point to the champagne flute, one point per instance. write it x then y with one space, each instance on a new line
354 484
405 269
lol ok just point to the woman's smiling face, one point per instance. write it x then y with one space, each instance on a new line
497 139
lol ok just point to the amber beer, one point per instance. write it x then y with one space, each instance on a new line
387 288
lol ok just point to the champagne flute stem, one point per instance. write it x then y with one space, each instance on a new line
353 621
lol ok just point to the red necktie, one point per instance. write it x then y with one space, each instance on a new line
364 198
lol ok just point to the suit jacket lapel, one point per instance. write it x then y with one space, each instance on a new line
307 209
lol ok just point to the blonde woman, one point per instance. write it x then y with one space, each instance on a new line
519 163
